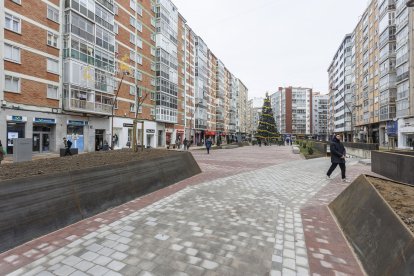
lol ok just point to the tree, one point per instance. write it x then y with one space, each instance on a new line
267 130
139 101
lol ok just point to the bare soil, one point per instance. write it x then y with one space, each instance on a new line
399 196
77 162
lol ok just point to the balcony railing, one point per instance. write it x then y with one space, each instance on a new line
403 76
86 106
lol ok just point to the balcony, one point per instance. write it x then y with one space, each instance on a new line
84 106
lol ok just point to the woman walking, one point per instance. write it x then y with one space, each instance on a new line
338 155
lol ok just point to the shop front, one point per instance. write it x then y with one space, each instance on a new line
75 133
15 129
43 134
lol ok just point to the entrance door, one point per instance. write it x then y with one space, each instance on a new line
149 140
36 142
99 139
45 142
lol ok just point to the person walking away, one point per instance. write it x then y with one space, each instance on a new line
208 145
185 143
68 145
259 142
338 155
2 152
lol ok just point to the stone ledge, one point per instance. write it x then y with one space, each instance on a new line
34 206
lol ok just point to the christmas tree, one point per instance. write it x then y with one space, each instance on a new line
266 131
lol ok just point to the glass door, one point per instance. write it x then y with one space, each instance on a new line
45 142
36 142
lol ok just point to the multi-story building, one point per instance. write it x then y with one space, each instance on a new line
202 96
320 116
242 112
31 83
340 90
387 72
88 70
249 120
293 111
405 75
135 82
367 75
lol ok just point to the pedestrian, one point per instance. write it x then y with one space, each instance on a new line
68 145
185 143
259 142
208 145
338 155
2 152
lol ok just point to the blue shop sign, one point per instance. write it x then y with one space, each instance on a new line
392 128
44 121
15 118
77 123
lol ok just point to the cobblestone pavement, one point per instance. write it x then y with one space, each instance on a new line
241 216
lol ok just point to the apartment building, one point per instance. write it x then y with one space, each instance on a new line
387 72
242 111
212 86
86 70
341 90
293 110
31 80
320 108
135 81
405 76
367 75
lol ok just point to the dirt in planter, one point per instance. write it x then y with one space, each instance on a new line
76 162
399 196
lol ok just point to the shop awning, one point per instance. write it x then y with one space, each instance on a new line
210 133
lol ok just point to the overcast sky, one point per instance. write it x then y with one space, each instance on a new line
272 43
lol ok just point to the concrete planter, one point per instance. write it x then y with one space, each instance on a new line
34 206
394 165
382 242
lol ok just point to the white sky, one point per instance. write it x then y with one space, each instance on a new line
272 43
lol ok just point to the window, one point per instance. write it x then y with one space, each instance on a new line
139 59
132 38
139 42
52 66
11 53
105 39
116 28
52 39
52 91
132 107
12 23
132 90
12 84
138 25
52 14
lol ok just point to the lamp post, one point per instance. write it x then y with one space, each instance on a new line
113 107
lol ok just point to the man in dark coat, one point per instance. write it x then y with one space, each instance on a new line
338 155
208 145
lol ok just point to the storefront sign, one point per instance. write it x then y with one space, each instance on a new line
150 130
77 123
16 118
128 125
44 121
392 128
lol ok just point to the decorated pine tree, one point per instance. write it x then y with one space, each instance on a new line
266 131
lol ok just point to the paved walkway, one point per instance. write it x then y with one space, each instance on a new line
253 211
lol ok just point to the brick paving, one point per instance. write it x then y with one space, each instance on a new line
241 216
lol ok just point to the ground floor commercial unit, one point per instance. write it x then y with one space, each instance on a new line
47 130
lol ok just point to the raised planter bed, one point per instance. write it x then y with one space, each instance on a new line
41 198
380 238
397 165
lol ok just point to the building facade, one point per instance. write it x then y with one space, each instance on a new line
293 111
90 70
320 112
341 90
